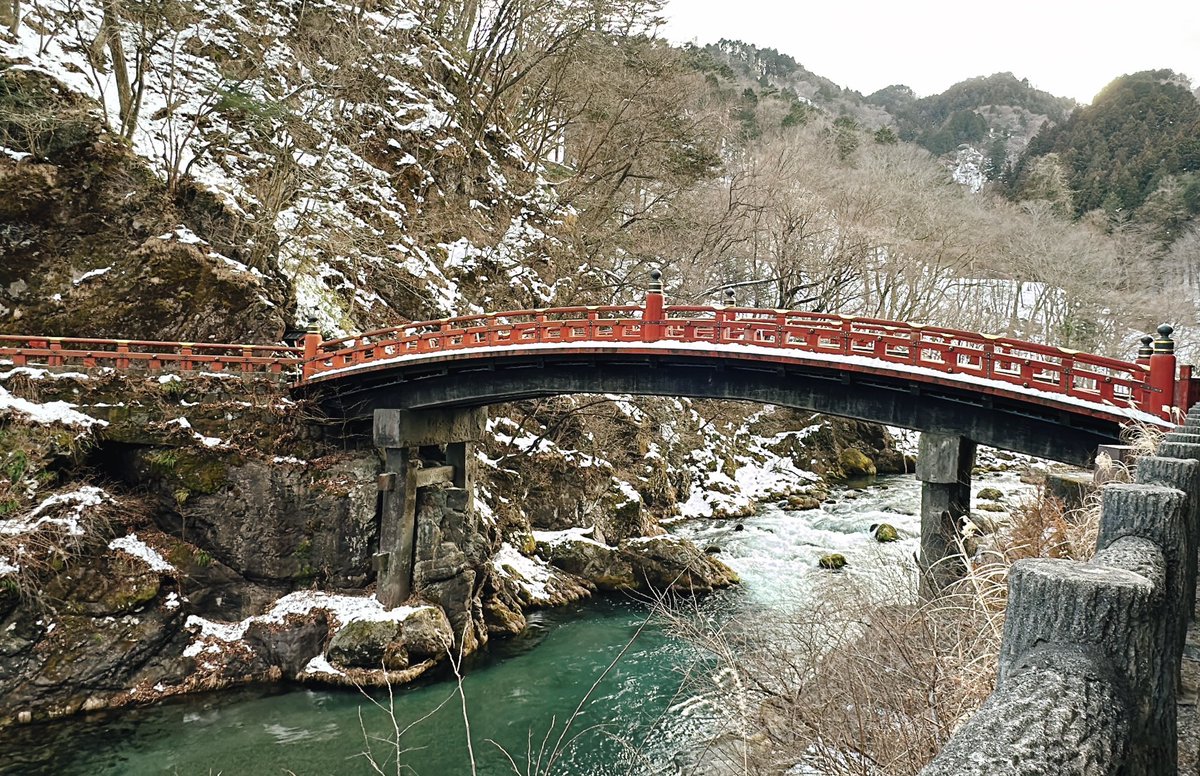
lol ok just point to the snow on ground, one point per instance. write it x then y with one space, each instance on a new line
568 536
45 414
95 273
531 574
206 441
33 373
62 509
212 635
134 546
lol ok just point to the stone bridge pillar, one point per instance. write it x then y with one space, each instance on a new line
421 448
944 463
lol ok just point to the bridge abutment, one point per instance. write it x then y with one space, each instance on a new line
944 463
422 449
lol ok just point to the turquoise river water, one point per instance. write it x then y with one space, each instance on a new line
642 717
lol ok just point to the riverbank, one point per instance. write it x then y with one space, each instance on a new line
646 724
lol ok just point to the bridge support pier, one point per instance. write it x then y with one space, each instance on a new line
944 463
421 449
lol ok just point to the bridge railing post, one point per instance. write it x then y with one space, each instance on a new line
312 345
1162 374
652 313
727 318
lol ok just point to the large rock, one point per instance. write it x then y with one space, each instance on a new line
853 464
451 554
361 644
110 585
289 525
289 645
668 563
392 644
605 567
426 633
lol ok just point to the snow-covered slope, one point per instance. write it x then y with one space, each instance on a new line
328 130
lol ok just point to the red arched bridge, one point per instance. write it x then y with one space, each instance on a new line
1016 395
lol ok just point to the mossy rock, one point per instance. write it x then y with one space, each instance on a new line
990 494
991 507
834 561
363 643
190 472
854 463
885 532
803 502
427 633
107 585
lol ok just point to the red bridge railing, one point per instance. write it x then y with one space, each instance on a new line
153 356
1148 384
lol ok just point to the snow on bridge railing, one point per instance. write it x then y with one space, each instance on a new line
1023 365
1148 384
124 355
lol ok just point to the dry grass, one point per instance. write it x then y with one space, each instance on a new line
864 687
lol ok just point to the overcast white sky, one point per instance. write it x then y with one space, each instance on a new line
1067 47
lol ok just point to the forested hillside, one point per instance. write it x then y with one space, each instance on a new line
1134 152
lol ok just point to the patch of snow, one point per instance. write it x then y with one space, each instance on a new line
79 500
183 235
530 574
134 546
568 536
320 665
16 156
45 414
34 373
207 441
343 609
95 273
7 566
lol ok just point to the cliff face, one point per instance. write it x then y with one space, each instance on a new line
93 243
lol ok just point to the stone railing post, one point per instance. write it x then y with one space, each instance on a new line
1089 660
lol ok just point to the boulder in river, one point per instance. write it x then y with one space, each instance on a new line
668 563
885 532
854 463
833 561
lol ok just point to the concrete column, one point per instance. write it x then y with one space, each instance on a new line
402 434
944 463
